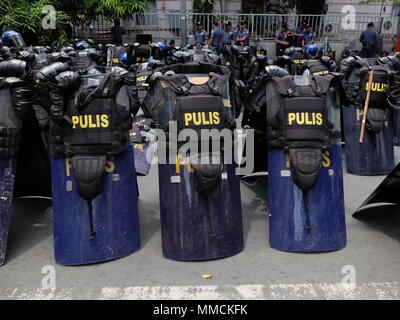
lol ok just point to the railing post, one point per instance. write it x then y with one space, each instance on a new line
183 29
183 23
252 26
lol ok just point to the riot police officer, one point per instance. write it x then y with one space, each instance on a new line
281 39
309 36
368 38
229 35
299 34
216 37
243 34
171 46
201 35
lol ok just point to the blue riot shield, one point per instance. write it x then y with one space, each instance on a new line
195 227
93 172
7 177
200 205
114 214
396 127
10 129
311 219
375 156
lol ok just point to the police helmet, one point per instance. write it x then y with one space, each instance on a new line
346 52
81 45
12 38
312 51
123 58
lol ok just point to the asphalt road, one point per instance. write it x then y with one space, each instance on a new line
368 268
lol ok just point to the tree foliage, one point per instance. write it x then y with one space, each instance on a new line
203 6
25 16
82 11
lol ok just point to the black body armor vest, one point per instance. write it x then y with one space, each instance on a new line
16 104
300 126
91 124
316 67
296 120
140 54
356 74
203 105
295 62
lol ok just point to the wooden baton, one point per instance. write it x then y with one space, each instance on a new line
364 119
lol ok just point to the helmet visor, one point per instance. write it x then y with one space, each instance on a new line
16 40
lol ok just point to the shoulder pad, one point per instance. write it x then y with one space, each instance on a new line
12 68
349 61
49 72
275 71
152 79
67 78
118 71
289 51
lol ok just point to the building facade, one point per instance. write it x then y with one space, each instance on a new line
234 6
171 6
384 9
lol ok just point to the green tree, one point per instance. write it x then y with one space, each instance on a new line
203 6
82 11
25 16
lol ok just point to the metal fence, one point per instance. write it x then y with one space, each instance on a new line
172 25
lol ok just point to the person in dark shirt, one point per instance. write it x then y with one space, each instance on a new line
281 39
368 38
171 46
309 36
243 34
216 37
229 35
299 35
201 35
117 31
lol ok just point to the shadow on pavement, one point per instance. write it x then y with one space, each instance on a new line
254 211
384 217
149 213
31 223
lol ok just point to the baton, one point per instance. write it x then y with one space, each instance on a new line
364 119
